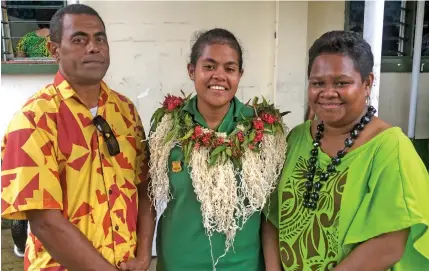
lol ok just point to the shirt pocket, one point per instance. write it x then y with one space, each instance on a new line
126 159
178 172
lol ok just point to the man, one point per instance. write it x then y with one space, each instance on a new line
75 161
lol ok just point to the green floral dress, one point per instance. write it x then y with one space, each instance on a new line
379 187
33 45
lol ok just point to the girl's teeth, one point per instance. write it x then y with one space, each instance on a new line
217 88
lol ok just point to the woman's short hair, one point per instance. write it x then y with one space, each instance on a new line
346 43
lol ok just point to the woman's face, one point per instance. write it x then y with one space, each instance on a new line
216 76
336 92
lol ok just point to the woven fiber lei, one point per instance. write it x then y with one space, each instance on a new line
254 152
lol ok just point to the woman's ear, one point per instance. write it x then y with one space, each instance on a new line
191 71
369 83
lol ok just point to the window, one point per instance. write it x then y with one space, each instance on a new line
25 31
398 33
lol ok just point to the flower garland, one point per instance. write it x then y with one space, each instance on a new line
254 151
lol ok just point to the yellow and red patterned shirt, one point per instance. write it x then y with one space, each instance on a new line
53 157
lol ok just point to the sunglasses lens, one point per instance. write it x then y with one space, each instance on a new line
111 142
113 146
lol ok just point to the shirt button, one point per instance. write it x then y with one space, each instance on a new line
117 228
110 191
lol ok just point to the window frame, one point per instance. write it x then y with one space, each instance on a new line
396 64
30 66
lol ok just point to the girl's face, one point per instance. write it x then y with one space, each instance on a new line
216 76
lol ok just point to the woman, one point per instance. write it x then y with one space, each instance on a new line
353 193
35 43
214 161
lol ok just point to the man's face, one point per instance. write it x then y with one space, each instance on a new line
83 53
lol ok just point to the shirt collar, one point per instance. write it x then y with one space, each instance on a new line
238 110
66 91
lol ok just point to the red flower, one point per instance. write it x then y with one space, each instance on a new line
258 137
172 102
251 146
219 141
268 118
240 136
198 131
258 124
206 139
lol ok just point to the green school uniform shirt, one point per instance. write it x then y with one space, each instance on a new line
380 187
182 243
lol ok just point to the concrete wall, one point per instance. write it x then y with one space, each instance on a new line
395 101
15 90
323 16
291 51
150 45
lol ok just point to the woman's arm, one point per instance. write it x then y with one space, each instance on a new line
377 254
270 246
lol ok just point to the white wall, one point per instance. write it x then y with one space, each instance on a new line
324 16
15 91
395 101
150 46
291 66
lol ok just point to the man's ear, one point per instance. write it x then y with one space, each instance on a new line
53 49
191 71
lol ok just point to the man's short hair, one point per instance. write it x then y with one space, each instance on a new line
56 24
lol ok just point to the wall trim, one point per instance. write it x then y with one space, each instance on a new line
22 68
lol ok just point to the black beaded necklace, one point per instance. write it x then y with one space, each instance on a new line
311 196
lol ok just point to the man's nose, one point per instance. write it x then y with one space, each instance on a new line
93 47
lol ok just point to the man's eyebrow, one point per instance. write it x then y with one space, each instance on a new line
101 33
79 33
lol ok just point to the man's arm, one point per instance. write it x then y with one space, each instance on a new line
146 215
270 246
145 231
65 243
377 254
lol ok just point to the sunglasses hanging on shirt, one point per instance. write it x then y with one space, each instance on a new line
104 128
